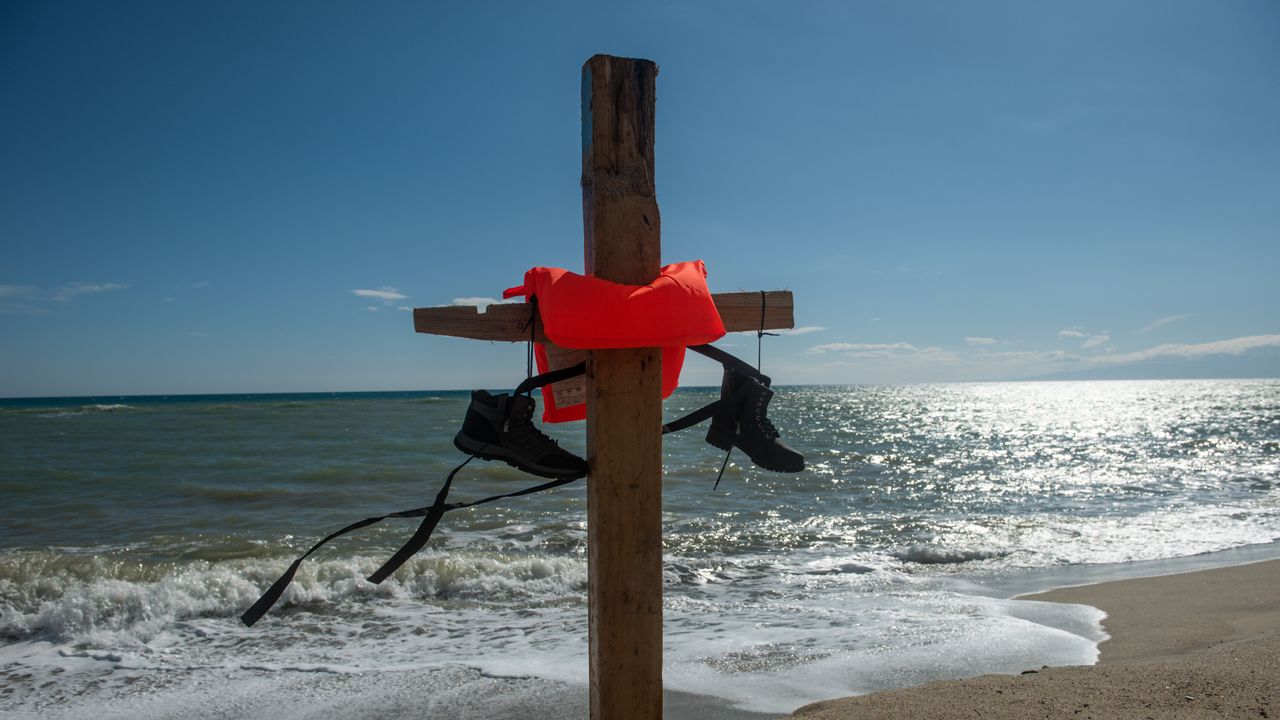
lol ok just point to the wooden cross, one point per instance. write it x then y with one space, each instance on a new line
624 387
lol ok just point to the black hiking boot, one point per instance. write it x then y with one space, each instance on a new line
500 427
742 421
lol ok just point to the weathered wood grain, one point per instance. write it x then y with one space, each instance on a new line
622 243
505 322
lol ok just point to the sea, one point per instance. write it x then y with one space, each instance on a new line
136 530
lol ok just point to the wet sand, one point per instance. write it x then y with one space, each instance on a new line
1204 644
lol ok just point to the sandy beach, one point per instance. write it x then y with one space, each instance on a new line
1203 644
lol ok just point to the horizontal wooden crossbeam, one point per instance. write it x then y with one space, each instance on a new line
509 322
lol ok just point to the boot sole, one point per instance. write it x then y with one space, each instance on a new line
490 451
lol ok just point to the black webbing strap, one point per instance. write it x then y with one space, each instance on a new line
725 359
547 378
273 593
706 411
711 351
423 534
691 419
431 515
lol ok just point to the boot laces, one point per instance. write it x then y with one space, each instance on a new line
765 424
762 417
770 431
521 430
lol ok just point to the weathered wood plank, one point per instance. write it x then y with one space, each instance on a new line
742 310
509 322
506 322
624 398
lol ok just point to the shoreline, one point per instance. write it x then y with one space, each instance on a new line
1204 643
1168 616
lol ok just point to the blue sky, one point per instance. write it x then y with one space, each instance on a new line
244 196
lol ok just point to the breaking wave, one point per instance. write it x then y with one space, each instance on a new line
104 601
927 554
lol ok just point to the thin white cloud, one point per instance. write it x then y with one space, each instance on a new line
18 291
905 362
1072 333
934 364
70 291
371 308
802 330
476 301
37 298
1025 357
480 303
898 354
981 341
862 347
1096 340
201 284
1234 346
406 308
1157 324
384 293
903 352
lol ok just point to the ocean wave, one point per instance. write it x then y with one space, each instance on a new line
110 603
928 554
119 602
95 409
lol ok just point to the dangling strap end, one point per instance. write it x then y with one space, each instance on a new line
423 533
271 596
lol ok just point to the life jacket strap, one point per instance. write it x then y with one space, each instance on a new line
706 411
693 418
430 514
547 378
423 534
728 361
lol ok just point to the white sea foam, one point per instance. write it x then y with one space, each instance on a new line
766 641
109 603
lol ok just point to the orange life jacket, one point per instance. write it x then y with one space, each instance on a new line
587 313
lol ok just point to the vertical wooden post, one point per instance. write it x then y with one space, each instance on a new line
624 397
